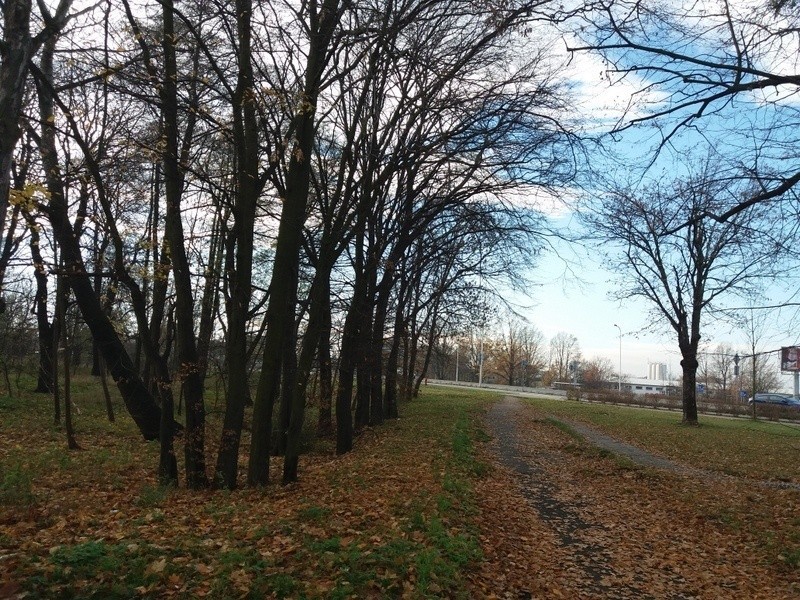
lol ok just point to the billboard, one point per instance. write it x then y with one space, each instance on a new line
790 358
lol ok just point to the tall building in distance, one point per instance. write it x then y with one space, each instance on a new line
657 372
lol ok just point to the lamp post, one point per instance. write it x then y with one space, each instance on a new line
480 361
619 374
456 359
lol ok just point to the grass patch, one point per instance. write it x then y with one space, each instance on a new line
755 450
314 514
561 426
152 496
16 486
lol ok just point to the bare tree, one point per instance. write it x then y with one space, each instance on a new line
682 275
759 372
322 21
564 350
721 365
519 354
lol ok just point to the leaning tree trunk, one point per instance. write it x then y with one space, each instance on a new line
138 400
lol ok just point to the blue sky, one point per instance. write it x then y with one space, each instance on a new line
573 289
575 298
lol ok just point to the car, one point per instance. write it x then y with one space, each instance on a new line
775 399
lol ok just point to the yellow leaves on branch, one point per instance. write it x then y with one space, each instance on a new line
27 197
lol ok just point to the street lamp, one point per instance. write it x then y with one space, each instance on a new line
480 361
619 374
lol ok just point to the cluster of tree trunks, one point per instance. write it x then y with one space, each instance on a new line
383 162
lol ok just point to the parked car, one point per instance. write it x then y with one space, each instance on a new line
775 399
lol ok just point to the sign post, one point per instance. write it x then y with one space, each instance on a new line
790 361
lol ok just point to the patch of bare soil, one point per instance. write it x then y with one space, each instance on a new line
561 518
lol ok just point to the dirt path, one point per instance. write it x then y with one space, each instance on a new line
593 527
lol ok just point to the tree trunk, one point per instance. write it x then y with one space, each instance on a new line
240 276
318 326
405 376
160 286
69 427
392 363
189 373
689 366
106 391
167 461
99 259
377 409
364 304
349 357
289 240
43 325
138 401
57 325
325 417
209 304
289 381
17 52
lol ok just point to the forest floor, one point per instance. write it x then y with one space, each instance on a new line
465 496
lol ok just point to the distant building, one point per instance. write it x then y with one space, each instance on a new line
657 372
641 386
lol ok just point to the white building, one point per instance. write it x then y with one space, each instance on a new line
641 386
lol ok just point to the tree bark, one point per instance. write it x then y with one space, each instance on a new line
349 357
317 326
106 391
44 328
189 370
240 276
61 309
289 240
18 50
689 366
325 416
138 401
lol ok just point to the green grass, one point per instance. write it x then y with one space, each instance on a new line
740 447
314 514
152 496
437 544
15 486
